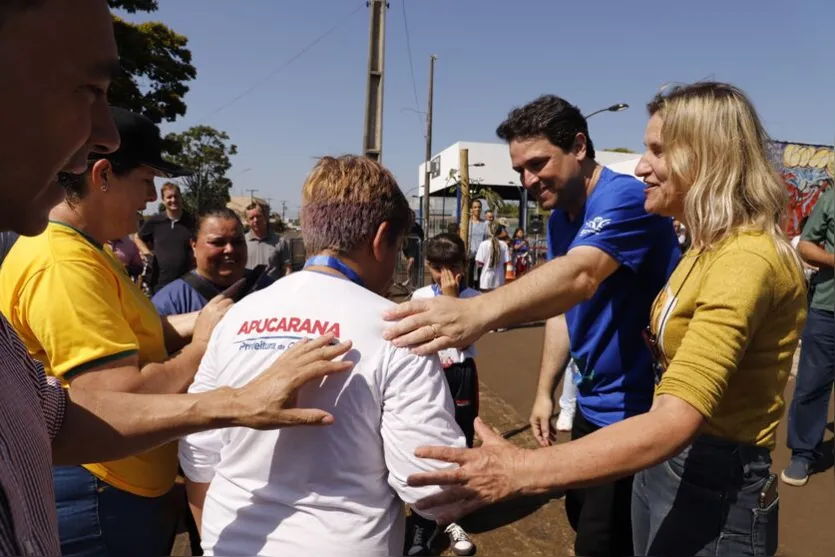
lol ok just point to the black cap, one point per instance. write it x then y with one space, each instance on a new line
141 142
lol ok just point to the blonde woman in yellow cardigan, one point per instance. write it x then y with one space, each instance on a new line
723 333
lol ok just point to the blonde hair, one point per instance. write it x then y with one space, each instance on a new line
715 142
345 200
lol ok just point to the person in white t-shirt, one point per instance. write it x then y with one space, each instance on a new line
492 256
446 257
335 490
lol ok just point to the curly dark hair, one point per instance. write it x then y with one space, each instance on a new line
551 117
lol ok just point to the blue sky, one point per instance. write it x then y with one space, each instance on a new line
492 56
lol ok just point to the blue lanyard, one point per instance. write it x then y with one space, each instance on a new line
335 264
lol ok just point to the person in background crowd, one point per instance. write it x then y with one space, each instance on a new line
89 324
264 246
167 235
411 251
220 253
609 258
521 252
452 228
446 258
48 87
723 333
489 217
478 233
809 271
307 492
681 234
7 240
816 369
491 257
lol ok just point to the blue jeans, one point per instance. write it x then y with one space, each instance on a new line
815 378
96 520
706 501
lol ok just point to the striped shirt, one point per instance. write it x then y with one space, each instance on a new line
31 413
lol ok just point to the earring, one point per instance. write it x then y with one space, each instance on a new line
104 187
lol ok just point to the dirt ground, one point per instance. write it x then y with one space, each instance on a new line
508 366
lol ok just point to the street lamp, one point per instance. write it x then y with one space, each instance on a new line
620 107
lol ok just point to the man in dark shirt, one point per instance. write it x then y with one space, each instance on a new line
168 236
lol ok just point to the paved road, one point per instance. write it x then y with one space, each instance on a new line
508 365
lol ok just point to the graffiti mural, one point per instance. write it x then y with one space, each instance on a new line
807 171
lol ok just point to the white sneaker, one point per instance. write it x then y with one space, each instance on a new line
565 421
459 541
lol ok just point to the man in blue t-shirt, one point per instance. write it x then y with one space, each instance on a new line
609 260
597 216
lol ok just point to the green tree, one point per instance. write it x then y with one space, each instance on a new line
156 65
477 192
205 151
620 150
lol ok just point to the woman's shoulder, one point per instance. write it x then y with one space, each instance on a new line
756 254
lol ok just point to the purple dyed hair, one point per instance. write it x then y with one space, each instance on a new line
346 199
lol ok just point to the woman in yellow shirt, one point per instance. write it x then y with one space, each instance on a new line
80 314
723 333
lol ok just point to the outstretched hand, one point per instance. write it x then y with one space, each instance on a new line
486 475
432 324
269 401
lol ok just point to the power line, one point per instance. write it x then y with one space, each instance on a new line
289 61
411 63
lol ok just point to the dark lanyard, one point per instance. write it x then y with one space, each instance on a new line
335 264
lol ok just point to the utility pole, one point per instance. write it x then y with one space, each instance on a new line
251 195
464 174
373 132
284 211
426 169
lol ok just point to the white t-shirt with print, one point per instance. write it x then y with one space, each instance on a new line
332 490
449 356
492 277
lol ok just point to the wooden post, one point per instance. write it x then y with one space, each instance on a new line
464 184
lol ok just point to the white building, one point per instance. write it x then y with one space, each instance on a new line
490 167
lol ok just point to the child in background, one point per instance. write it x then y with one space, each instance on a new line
446 257
520 249
492 256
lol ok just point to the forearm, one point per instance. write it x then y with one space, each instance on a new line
196 494
101 425
172 376
815 255
555 352
178 330
143 247
543 293
610 453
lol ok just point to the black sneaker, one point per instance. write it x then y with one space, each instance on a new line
459 540
421 537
